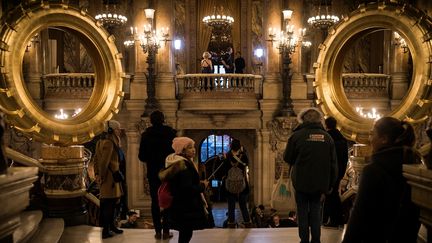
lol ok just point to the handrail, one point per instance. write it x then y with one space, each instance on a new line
22 158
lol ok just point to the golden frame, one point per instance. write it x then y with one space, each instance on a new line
414 26
18 26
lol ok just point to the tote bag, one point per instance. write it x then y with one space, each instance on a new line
282 197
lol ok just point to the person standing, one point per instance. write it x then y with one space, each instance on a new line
109 177
206 63
239 63
383 210
236 158
155 146
227 61
188 208
311 153
333 204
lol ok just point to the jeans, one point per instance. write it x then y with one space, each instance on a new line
309 215
242 198
157 215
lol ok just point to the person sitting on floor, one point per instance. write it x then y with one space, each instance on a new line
131 220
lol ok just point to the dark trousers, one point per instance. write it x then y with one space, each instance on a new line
309 215
333 208
185 235
242 198
106 215
159 220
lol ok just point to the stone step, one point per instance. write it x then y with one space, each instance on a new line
30 221
50 230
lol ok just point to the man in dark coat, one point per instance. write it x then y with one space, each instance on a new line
333 205
154 148
311 153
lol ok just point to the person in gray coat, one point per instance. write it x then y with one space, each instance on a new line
311 153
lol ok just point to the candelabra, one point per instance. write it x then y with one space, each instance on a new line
287 42
149 41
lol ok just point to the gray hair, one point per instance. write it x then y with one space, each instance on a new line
310 115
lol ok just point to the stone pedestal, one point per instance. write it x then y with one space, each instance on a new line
420 179
14 188
63 183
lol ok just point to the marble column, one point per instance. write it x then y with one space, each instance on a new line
298 85
399 75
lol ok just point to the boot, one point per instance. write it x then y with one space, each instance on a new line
248 224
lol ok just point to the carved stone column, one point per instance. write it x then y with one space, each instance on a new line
399 72
63 183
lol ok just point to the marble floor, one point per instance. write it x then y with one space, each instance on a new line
88 234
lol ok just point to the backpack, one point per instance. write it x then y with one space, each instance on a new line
165 197
235 181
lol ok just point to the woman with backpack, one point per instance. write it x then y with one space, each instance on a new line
236 183
187 211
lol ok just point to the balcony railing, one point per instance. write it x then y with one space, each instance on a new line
366 85
239 85
68 85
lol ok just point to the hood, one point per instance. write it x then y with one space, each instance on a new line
172 159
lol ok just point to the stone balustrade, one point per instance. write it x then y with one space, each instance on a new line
203 84
366 85
68 85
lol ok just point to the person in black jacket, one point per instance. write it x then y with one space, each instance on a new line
383 210
311 153
155 146
237 157
188 208
333 204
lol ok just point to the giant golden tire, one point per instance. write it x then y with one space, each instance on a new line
414 26
18 27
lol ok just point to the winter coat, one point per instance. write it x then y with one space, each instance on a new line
155 146
341 146
383 211
106 162
187 209
311 152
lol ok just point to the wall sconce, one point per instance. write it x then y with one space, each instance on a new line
287 41
149 41
258 53
177 44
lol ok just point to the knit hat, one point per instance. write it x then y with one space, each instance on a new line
179 143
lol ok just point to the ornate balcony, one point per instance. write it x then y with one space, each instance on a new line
366 85
219 93
68 85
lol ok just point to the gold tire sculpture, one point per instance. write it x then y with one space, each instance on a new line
414 26
18 27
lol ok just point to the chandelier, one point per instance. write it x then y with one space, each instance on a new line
372 114
323 20
218 20
110 17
